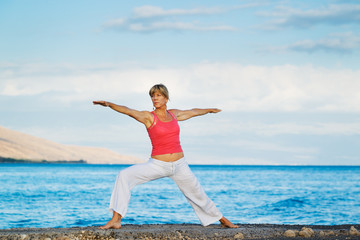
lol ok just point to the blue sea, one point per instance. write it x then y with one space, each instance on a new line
71 195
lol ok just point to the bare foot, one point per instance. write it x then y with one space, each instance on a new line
114 223
226 223
111 224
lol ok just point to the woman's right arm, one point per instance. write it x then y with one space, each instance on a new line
144 117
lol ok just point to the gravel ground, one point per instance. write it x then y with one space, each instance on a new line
186 231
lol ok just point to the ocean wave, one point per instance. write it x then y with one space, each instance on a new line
293 202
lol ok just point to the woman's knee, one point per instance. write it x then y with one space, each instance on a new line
122 177
127 172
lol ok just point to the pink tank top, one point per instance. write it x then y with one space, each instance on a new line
164 136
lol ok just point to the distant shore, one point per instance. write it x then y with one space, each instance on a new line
13 160
188 231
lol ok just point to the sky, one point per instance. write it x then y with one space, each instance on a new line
286 75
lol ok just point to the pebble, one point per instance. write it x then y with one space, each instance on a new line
326 233
289 233
179 235
63 238
306 232
354 232
23 236
239 235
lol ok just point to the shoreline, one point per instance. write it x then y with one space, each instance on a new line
187 231
12 161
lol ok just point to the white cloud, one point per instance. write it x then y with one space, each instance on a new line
154 11
149 11
338 43
230 86
233 125
120 24
154 19
268 146
314 128
278 88
338 14
202 159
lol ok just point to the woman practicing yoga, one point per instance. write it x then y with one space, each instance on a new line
167 160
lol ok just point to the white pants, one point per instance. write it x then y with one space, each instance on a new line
178 171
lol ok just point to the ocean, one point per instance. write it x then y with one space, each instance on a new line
77 195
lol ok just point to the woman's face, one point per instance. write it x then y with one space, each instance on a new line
158 99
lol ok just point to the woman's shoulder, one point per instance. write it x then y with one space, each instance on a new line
174 112
149 114
149 118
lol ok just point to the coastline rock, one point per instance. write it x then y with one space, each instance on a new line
239 235
326 233
290 233
354 232
306 232
23 236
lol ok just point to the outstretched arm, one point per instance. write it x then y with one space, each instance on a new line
144 117
182 115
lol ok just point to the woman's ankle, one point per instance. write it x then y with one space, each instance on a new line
116 217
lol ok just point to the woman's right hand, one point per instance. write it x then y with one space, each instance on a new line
102 103
144 117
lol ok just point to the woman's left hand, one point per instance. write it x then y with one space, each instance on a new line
214 110
102 103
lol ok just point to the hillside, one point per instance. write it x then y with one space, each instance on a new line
17 145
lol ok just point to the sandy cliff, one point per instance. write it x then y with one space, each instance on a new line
18 145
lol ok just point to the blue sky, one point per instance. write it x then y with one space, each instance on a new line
285 73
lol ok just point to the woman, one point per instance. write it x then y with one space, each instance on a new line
167 160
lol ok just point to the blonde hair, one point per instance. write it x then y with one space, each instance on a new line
161 88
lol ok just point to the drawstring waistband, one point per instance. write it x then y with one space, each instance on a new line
167 164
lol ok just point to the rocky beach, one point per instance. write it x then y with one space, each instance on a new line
187 231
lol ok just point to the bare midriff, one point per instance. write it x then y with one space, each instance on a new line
171 157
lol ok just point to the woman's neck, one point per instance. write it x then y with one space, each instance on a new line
162 114
161 110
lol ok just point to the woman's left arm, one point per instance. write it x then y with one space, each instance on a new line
183 115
